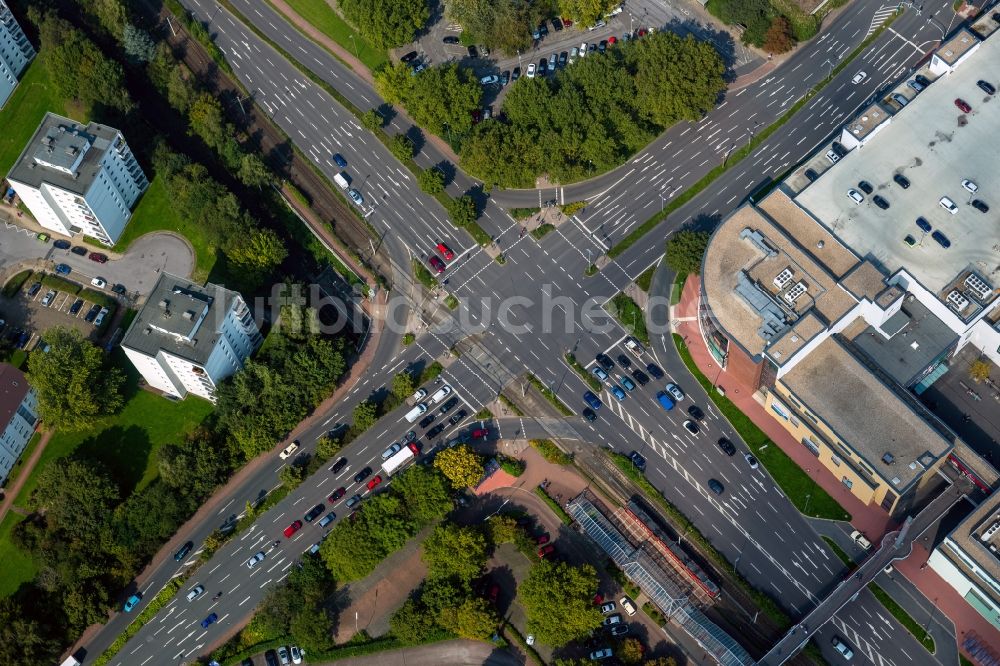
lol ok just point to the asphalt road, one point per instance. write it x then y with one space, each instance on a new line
778 551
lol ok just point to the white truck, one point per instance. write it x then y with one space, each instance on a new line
634 346
71 661
400 459
342 179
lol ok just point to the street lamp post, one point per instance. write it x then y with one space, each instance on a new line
355 46
806 510
829 62
519 58
663 201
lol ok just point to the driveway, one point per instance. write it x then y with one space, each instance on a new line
137 269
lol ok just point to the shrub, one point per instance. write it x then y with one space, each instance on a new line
401 146
551 452
778 38
15 283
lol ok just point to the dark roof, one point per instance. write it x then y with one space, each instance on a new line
13 387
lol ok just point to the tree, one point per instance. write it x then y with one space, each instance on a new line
253 407
386 24
139 47
23 640
425 492
372 120
256 252
77 496
431 180
402 385
575 616
503 25
630 651
411 623
439 98
979 370
501 529
75 383
253 172
475 619
312 629
461 465
401 147
779 38
456 551
327 447
355 547
291 476
677 78
685 250
364 415
463 210
206 121
661 661
111 14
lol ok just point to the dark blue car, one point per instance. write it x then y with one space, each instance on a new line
339 160
592 400
209 620
63 269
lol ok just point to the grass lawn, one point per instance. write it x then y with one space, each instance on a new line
644 280
322 17
155 213
126 442
794 482
630 316
25 109
17 567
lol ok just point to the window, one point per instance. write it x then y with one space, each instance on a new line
835 460
811 445
777 409
847 482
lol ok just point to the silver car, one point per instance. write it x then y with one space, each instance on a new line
675 391
391 451
255 560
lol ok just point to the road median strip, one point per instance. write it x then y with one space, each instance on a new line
156 604
549 395
592 381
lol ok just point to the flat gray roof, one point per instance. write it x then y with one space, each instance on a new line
927 143
918 338
975 535
64 153
181 318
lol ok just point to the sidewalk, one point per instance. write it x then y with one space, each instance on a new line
871 520
22 475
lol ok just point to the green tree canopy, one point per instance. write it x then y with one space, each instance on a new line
575 616
463 210
431 180
503 25
75 383
451 550
676 78
386 24
402 385
586 12
685 250
256 253
365 415
77 496
425 491
437 98
474 618
462 466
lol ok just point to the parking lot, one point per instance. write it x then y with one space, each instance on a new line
29 314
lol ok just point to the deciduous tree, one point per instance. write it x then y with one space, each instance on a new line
451 550
365 415
779 38
462 466
431 180
387 24
685 250
575 616
425 492
630 651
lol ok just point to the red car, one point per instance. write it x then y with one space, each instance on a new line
545 551
567 22
445 251
542 540
337 494
494 593
98 257
293 528
436 264
374 482
612 40
963 105
480 433
413 447
641 33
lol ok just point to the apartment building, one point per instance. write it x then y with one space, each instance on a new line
78 179
18 417
188 338
16 53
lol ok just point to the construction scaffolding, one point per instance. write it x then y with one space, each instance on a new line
642 565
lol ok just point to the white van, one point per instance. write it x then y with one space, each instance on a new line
627 604
440 394
416 412
342 179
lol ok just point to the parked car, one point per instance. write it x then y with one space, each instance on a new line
98 282
624 361
79 250
296 654
855 196
963 105
605 362
941 239
546 550
327 519
336 495
969 185
638 461
694 411
353 501
339 465
63 269
314 512
77 304
355 196
751 461
427 420
435 431
902 181
530 72
727 446
613 620
61 244
980 205
489 80
866 187
640 377
861 540
98 257
448 406
99 319
675 391
603 653
811 175
505 78
34 289
589 415
292 528
924 225
608 607
408 58
654 371
473 52
132 602
458 416
450 39
986 87
47 298
617 392
619 630
626 383
879 201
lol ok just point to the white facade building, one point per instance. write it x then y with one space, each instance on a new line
18 416
16 52
188 338
79 179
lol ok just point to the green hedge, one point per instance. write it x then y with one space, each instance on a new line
555 506
99 298
592 381
683 524
551 452
550 395
148 613
510 632
523 213
539 232
60 284
15 283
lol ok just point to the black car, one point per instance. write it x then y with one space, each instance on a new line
694 411
603 46
92 313
543 67
362 475
941 239
880 202
458 416
543 29
119 289
77 249
605 362
980 205
184 550
727 446
409 57
654 371
73 309
516 74
866 187
624 361
473 52
986 87
61 244
271 657
839 149
557 24
811 175
427 420
922 80
505 78
314 512
589 414
641 377
339 465
435 431
902 181
638 461
562 58
33 289
447 407
450 39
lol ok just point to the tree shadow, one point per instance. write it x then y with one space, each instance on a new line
125 451
417 138
388 113
448 170
479 197
720 39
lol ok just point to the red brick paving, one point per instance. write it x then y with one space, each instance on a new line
870 519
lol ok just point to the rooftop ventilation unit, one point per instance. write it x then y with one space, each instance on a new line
164 304
957 300
888 458
782 279
988 534
978 286
792 294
